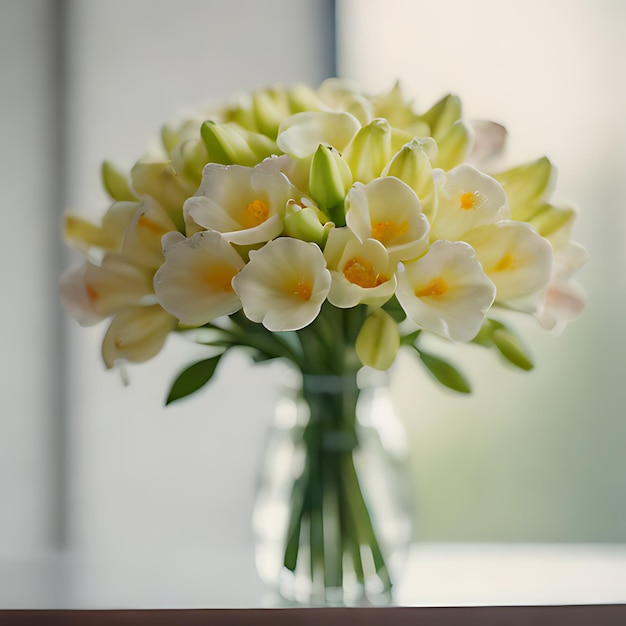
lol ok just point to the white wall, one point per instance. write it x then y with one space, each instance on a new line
29 515
154 486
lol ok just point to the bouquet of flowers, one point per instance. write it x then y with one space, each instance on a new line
329 228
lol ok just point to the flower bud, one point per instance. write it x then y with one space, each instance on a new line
307 223
393 106
511 348
329 181
301 97
268 112
189 158
161 182
370 150
442 115
229 144
412 165
525 185
116 183
549 219
453 145
378 340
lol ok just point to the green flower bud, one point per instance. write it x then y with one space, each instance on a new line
306 223
378 341
116 183
370 150
329 181
229 144
442 115
189 159
549 219
453 145
161 182
268 112
395 108
511 348
413 166
525 185
301 97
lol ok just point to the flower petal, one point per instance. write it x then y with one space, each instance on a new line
194 283
246 205
136 334
361 271
467 199
302 133
388 210
514 256
446 291
284 285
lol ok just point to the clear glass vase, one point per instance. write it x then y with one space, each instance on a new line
334 512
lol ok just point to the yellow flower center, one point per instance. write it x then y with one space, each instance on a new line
219 278
387 231
436 287
151 225
256 213
505 263
362 273
92 294
303 289
468 200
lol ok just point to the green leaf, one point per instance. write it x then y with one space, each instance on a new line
511 348
193 378
445 373
394 309
409 340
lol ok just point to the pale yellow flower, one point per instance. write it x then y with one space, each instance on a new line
302 133
93 292
246 205
565 299
143 235
136 334
446 291
517 260
340 94
108 235
362 272
195 282
284 284
466 199
388 210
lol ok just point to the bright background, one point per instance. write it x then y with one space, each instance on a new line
539 456
100 471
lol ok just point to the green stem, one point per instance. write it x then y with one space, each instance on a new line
362 520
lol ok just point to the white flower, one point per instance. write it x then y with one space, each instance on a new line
284 285
361 271
565 299
142 239
84 235
446 291
302 133
194 283
388 210
466 199
93 292
136 334
245 204
516 259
